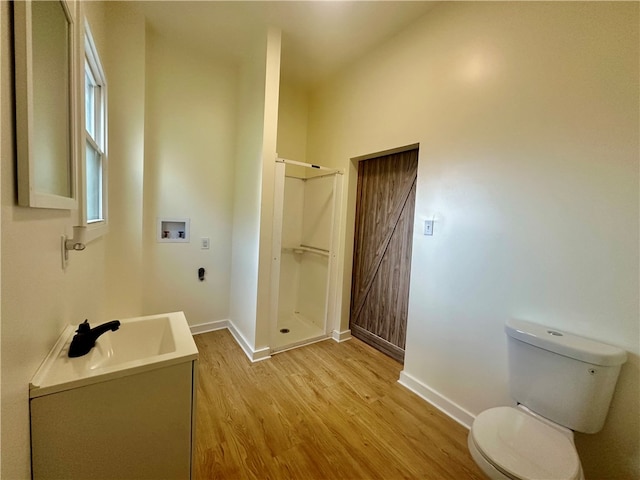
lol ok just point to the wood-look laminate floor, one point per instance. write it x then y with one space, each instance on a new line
324 411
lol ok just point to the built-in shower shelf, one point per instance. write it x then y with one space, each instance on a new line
306 249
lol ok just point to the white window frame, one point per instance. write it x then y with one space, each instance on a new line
95 228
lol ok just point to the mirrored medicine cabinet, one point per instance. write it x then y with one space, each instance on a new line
45 104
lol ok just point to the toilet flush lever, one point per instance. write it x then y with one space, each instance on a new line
554 333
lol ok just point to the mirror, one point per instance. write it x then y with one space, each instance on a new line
45 114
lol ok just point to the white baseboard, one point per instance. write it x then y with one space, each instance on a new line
253 355
442 403
209 327
341 336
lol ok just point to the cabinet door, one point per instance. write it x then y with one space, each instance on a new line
138 426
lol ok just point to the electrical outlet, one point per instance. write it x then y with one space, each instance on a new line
204 243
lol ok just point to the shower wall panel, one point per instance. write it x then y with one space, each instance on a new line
294 189
316 232
312 294
317 214
291 236
306 221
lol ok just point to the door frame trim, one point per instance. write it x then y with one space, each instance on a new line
406 148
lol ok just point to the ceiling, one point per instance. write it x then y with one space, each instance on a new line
318 37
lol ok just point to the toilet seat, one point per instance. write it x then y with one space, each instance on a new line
523 447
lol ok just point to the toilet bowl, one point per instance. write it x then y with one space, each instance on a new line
510 443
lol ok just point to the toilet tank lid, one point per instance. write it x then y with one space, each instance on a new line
566 344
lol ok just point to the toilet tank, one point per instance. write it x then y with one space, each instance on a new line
563 377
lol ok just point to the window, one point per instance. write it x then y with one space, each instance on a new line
95 165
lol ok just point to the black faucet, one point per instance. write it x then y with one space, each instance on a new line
85 337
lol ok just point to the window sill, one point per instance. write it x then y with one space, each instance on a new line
96 230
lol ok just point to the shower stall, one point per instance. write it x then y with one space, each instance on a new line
303 289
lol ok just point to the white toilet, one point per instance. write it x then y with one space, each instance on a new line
562 382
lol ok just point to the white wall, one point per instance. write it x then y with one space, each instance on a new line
247 188
527 120
124 61
293 111
268 157
39 298
190 131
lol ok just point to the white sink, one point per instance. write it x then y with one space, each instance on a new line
140 344
136 339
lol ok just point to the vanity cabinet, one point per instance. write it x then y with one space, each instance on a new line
134 427
128 420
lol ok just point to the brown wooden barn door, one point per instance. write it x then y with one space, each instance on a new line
382 251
